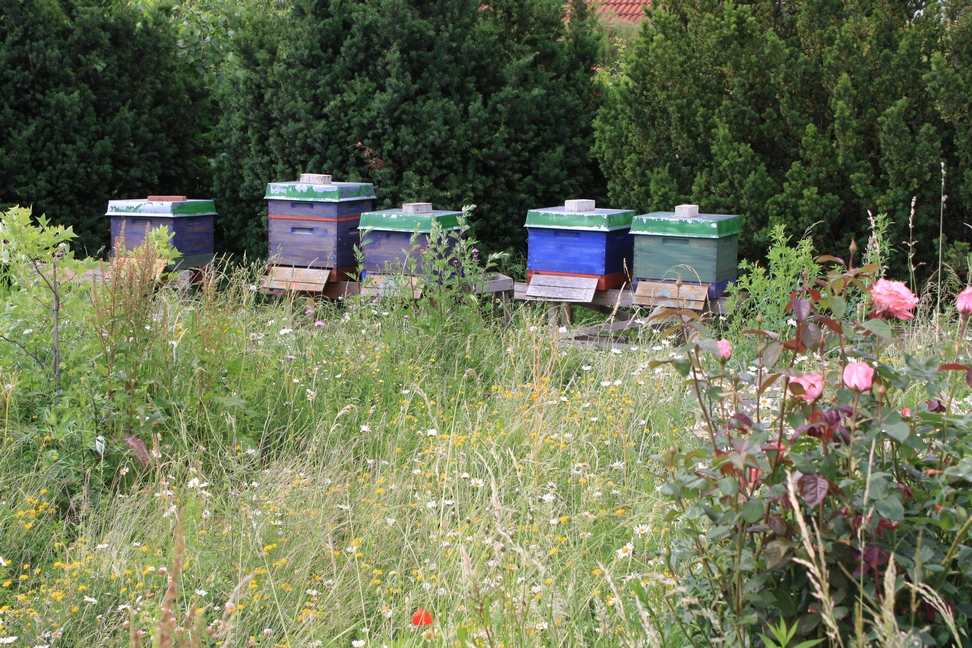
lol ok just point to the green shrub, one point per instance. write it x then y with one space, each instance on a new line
815 112
449 101
95 104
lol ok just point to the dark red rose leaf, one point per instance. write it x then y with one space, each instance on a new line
952 366
935 406
777 525
831 324
740 421
811 336
137 446
801 310
875 557
885 525
813 488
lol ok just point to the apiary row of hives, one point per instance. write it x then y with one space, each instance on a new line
317 223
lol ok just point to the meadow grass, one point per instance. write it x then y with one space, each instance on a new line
316 472
334 467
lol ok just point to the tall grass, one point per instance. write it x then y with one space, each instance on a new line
346 463
224 468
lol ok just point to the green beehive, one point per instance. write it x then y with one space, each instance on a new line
705 247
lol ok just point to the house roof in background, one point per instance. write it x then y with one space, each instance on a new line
630 10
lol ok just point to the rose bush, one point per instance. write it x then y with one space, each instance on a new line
831 497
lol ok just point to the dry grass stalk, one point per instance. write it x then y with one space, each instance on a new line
816 565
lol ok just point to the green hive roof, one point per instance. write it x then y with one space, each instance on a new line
332 192
701 226
598 220
171 208
396 220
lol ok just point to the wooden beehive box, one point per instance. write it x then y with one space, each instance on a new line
313 223
190 221
699 248
580 240
392 240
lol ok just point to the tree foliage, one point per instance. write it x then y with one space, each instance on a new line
95 105
448 101
808 113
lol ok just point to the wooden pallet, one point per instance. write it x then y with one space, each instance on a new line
332 283
280 279
561 288
663 293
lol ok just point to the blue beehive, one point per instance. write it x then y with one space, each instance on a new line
190 221
313 223
582 241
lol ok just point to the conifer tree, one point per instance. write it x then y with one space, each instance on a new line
808 113
94 104
449 101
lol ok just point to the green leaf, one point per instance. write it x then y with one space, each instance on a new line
774 553
896 429
771 354
710 346
769 642
682 366
753 510
962 470
837 306
728 486
879 328
890 508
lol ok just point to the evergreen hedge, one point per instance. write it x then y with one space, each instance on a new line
804 113
95 104
449 101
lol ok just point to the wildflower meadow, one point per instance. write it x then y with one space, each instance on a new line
206 465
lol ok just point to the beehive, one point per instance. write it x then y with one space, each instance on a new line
190 221
313 222
393 240
579 239
701 248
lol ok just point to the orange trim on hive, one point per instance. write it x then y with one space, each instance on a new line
312 218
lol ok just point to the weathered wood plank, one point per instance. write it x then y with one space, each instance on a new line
562 288
495 282
661 293
376 285
614 298
342 289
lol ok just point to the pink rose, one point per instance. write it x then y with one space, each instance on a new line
812 384
964 301
725 350
893 297
858 376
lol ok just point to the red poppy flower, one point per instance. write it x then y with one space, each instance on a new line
422 617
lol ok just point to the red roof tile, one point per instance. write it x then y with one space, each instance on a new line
630 10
